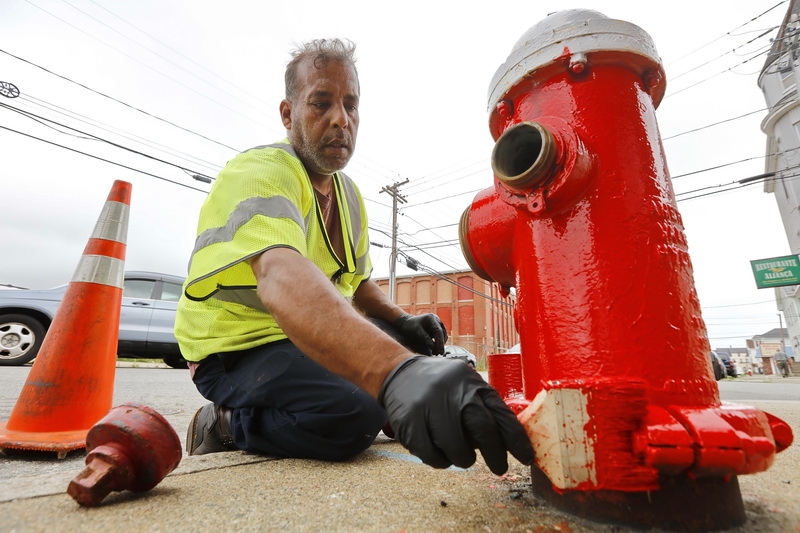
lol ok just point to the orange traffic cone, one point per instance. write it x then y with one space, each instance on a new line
71 384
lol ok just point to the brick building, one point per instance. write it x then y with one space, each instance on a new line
481 325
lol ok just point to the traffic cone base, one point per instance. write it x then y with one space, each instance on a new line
51 441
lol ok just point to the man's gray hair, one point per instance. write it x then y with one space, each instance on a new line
320 52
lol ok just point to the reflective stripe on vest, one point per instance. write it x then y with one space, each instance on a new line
245 296
272 207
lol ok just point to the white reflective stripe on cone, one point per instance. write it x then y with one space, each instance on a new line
100 269
112 224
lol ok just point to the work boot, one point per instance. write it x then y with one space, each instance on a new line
210 431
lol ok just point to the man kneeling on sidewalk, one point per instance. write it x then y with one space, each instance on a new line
278 316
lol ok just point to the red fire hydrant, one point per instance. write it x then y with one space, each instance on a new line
619 400
133 447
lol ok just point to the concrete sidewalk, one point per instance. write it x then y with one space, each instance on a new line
384 489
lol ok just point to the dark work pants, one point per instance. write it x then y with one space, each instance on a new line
287 405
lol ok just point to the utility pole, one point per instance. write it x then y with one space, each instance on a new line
396 197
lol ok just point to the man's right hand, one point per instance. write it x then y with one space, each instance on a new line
441 409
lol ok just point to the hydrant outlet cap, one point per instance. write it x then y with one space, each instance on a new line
576 31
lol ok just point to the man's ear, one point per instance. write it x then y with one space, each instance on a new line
286 114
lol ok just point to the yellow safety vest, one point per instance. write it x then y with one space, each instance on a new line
262 199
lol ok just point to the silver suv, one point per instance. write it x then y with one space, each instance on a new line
146 323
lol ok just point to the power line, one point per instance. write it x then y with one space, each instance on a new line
458 178
764 319
438 244
733 51
377 203
735 337
445 198
424 180
359 160
47 106
94 137
160 56
734 163
435 234
716 123
735 305
147 66
718 74
744 182
120 102
454 282
730 32
417 248
104 160
428 229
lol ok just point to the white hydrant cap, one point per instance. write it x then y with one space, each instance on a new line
566 34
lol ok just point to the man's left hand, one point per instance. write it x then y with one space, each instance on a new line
426 329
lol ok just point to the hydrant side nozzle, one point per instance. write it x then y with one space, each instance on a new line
524 155
781 432
486 230
463 231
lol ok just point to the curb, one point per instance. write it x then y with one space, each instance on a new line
135 364
763 379
56 483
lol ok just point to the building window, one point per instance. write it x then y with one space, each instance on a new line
786 72
446 315
404 293
444 291
423 292
465 283
466 320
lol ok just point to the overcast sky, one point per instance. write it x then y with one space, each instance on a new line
191 82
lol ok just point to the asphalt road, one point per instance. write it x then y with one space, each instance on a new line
740 390
170 392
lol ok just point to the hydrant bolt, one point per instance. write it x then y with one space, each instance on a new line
505 108
577 63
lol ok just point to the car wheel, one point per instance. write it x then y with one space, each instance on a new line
176 361
20 339
470 363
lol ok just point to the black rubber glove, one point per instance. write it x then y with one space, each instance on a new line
426 330
441 409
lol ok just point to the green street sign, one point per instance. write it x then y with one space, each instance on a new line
776 271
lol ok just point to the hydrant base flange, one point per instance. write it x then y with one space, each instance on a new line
704 503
